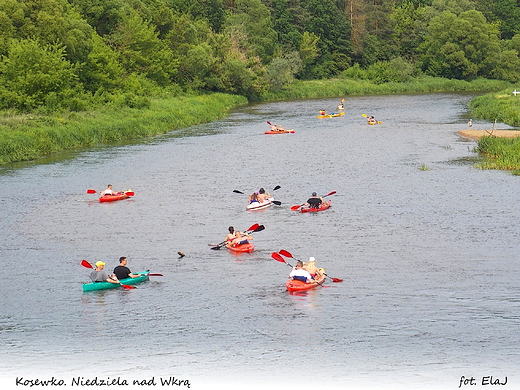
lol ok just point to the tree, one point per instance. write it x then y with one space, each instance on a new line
460 47
30 73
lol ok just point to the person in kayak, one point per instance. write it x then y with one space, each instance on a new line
234 237
314 201
262 195
100 275
371 120
122 271
311 268
109 191
254 197
299 273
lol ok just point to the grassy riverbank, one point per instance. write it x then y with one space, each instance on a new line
500 153
501 106
26 137
29 136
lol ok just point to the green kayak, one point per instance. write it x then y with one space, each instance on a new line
107 285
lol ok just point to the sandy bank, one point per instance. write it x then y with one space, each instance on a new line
476 134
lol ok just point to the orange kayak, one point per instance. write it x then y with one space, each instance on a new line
297 285
242 248
112 198
323 206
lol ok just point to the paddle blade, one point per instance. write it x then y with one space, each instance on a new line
379 122
277 202
91 191
364 115
215 247
254 227
86 264
238 192
296 207
329 194
276 188
126 286
129 193
277 257
269 123
259 228
337 280
155 274
286 254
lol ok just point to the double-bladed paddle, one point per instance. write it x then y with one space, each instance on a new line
296 207
86 264
252 229
129 193
288 254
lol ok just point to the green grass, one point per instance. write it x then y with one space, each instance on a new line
500 153
27 137
501 106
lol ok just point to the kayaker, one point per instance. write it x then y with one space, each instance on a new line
341 106
108 191
262 195
314 201
299 273
280 128
371 120
274 127
311 268
254 197
122 271
100 275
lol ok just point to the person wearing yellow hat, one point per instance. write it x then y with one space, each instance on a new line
100 275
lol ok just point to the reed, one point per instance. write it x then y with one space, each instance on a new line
27 137
343 87
500 153
501 106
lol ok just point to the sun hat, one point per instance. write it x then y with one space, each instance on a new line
99 263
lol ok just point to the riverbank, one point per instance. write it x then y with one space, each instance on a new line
477 134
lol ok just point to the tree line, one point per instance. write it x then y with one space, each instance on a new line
79 54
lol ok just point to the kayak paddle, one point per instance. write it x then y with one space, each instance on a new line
288 254
279 258
296 207
91 191
86 264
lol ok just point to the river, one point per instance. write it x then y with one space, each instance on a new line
426 245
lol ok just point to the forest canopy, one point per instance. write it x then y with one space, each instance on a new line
76 54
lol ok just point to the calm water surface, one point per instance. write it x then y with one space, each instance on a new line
429 256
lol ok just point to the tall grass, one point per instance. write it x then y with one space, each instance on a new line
27 137
500 153
502 106
343 87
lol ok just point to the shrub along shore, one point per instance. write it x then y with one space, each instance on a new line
29 136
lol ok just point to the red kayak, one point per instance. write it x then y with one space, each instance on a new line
242 248
280 131
323 206
297 285
112 198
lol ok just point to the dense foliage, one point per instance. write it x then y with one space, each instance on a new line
78 54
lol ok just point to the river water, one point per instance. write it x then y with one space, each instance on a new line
427 246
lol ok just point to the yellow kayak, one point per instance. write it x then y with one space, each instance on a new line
332 115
